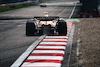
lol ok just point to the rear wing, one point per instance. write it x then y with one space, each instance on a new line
50 18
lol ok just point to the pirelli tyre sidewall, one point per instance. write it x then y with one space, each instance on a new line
30 28
62 27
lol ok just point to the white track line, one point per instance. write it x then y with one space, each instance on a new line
41 64
72 11
48 51
54 39
64 43
51 47
46 57
19 61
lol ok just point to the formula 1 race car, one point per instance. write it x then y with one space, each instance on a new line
46 25
43 5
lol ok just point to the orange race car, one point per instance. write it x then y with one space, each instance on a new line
46 25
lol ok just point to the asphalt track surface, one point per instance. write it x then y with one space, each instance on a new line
13 41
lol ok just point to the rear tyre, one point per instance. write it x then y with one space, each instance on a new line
62 27
30 28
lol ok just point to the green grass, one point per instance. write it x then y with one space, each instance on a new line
17 7
78 3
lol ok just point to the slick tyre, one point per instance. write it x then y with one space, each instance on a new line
30 28
62 27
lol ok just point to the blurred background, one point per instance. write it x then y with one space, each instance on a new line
87 6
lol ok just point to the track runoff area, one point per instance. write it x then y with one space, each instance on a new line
47 51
